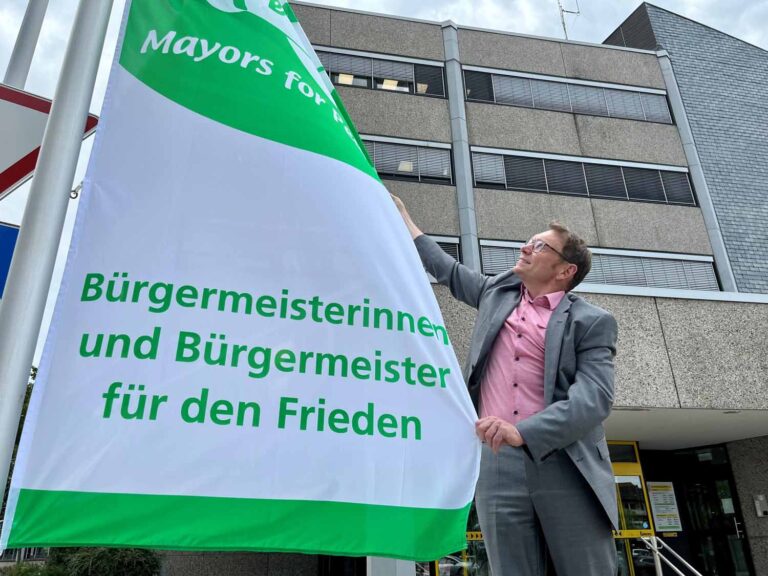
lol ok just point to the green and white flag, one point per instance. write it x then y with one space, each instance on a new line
246 353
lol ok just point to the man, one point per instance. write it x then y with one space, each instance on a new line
540 373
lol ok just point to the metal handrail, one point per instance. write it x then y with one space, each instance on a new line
655 544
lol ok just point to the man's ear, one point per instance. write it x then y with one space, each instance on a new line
569 272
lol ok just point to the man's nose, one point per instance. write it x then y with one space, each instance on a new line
526 249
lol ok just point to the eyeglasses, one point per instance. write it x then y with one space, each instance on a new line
537 245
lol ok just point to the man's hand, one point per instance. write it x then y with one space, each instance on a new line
495 431
412 228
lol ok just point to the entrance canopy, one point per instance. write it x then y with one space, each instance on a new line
675 428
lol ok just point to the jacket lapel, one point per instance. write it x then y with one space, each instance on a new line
553 341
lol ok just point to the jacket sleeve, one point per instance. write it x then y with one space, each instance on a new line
464 283
589 397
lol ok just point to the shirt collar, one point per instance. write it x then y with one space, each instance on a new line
550 300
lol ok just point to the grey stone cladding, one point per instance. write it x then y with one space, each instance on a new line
723 84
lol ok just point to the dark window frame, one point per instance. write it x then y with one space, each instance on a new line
644 262
372 79
418 177
672 121
659 171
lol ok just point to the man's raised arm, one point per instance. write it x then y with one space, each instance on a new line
464 283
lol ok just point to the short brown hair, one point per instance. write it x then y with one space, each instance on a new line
575 252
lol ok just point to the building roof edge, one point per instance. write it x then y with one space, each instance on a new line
474 28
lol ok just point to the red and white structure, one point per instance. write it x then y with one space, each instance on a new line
23 117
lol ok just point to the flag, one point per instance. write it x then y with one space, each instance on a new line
246 353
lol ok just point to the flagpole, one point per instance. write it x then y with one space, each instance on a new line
29 278
26 42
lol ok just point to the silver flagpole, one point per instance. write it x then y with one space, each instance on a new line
29 278
24 48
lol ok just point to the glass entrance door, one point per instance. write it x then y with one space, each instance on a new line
717 530
713 537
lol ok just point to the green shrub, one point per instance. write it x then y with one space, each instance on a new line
33 569
112 562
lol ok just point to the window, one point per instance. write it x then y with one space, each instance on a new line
529 174
429 80
525 173
624 104
566 97
395 76
514 91
489 170
644 184
479 86
383 74
566 177
605 181
347 70
618 268
656 109
550 95
451 246
410 162
588 100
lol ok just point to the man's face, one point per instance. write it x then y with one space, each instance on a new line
544 266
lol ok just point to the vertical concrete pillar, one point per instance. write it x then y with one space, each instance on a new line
470 247
719 252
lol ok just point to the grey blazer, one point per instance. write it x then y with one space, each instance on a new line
580 345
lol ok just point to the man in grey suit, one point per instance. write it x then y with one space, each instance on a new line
540 373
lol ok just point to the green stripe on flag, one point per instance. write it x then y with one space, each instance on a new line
56 518
234 68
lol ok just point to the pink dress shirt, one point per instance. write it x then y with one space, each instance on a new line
513 384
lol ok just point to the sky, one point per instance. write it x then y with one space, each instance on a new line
744 19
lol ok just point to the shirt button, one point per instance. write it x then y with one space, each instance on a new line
515 412
514 385
523 318
517 358
519 335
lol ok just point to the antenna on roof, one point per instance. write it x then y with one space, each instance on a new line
563 12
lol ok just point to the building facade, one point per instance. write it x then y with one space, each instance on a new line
520 131
656 155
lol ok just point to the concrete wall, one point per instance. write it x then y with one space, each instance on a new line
316 23
510 215
386 35
646 226
750 473
616 66
644 375
718 352
516 128
432 206
540 56
371 33
508 52
621 139
391 114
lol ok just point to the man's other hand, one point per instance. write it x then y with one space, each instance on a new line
495 432
409 223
